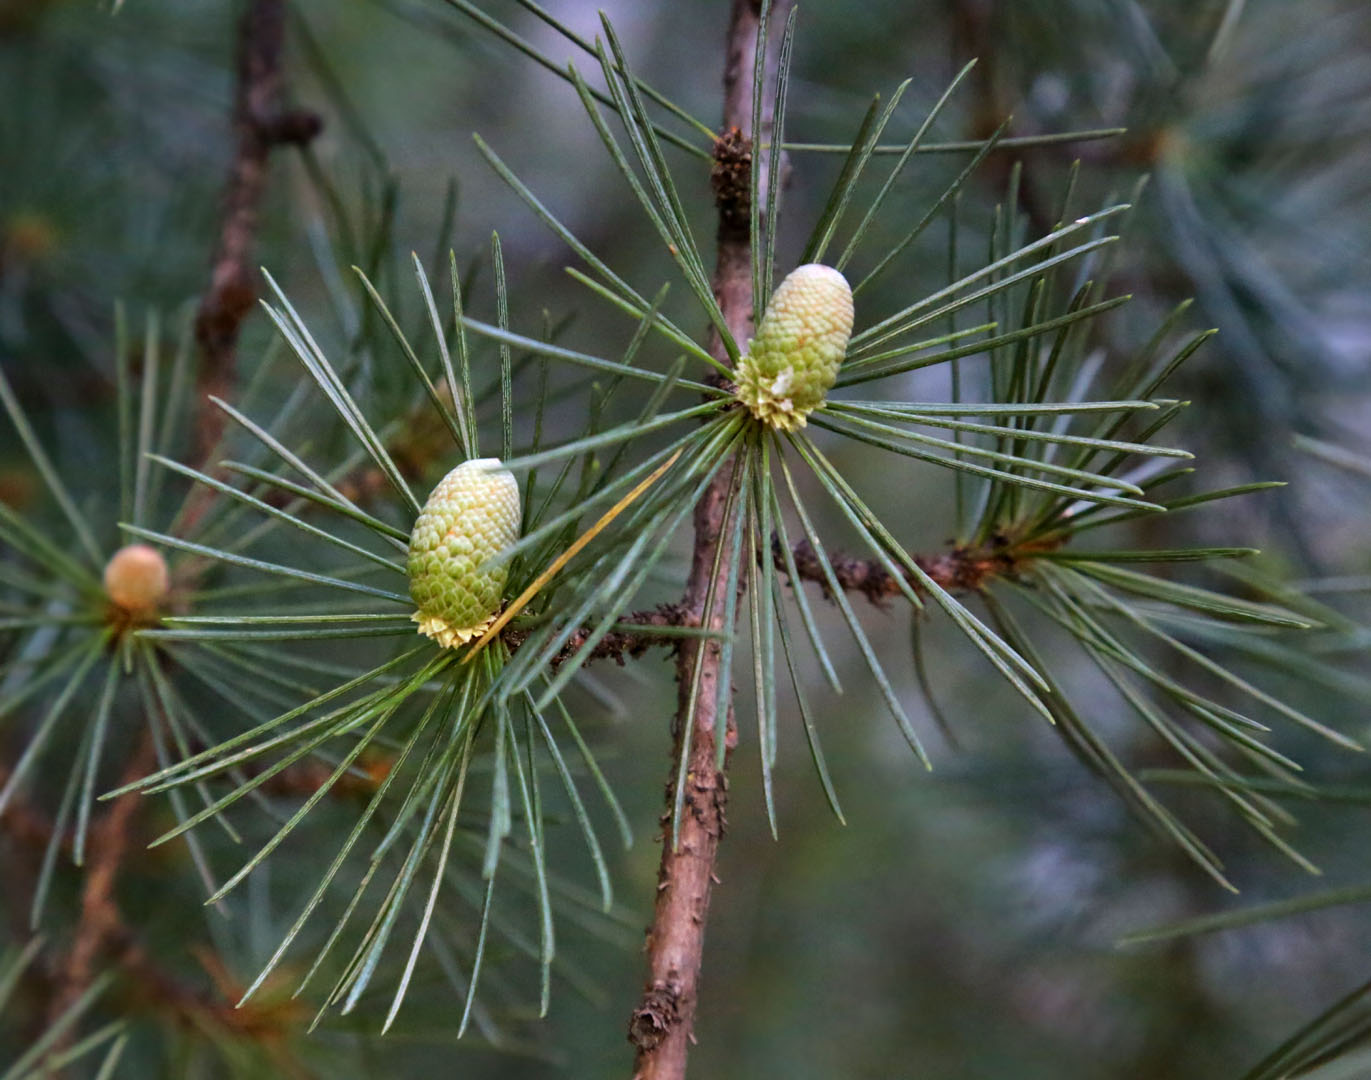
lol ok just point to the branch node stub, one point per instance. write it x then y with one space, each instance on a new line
731 179
654 1018
288 127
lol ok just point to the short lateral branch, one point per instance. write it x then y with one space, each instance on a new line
638 631
660 1028
961 569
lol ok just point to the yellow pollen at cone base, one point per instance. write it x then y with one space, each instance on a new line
471 517
792 363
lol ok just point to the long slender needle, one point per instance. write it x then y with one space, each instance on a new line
565 557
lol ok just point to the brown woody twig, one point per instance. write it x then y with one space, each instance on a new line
962 569
260 123
100 922
618 645
660 1027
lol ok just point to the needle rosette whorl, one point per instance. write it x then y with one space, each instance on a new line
471 517
793 361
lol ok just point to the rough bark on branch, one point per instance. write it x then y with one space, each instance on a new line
660 1028
960 569
618 645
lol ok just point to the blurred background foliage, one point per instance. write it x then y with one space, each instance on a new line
964 923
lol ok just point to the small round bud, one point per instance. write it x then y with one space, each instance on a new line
137 580
472 516
793 361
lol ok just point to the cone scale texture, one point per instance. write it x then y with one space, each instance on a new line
472 516
793 361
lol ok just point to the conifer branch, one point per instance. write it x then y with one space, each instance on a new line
961 569
635 633
260 123
660 1028
100 922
